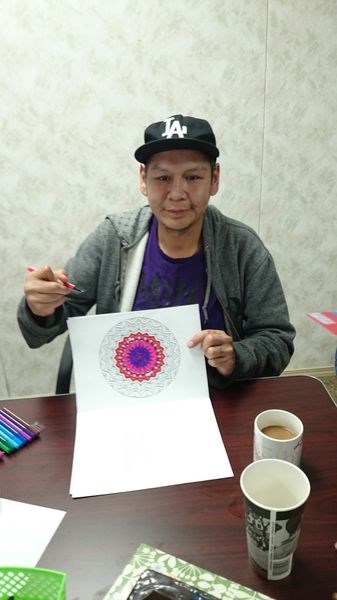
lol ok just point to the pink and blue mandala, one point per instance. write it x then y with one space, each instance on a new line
139 357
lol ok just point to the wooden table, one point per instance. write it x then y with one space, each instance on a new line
202 523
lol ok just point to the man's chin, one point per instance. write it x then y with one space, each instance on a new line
177 226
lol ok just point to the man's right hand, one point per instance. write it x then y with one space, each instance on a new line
45 290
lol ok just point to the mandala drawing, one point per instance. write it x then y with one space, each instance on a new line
139 357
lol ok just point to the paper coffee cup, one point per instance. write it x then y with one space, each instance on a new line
275 493
278 434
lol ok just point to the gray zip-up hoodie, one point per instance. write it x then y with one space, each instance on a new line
240 270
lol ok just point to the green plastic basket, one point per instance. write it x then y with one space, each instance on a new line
20 583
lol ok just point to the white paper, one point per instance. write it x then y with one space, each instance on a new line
173 327
134 435
25 532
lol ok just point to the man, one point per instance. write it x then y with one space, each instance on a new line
177 250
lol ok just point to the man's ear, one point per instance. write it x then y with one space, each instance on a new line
142 180
215 179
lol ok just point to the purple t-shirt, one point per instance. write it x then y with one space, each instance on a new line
166 281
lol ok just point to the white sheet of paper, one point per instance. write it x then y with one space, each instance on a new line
25 532
132 435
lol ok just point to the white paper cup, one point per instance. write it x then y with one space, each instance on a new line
281 421
275 493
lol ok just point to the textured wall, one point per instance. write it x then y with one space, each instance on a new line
79 81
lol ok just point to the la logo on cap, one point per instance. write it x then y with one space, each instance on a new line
173 127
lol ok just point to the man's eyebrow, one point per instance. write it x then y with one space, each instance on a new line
156 167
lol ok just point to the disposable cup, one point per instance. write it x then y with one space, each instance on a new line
278 434
275 493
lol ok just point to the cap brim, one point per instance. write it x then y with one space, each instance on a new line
143 153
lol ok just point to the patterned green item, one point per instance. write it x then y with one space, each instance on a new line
147 557
24 583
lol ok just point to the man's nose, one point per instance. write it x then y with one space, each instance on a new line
177 189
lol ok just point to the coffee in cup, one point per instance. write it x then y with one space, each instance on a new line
278 434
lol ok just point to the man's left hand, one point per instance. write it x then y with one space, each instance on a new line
218 348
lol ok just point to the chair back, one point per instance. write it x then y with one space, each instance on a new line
65 369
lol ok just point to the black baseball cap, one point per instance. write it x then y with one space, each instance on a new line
178 133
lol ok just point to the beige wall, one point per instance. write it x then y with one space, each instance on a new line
80 79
